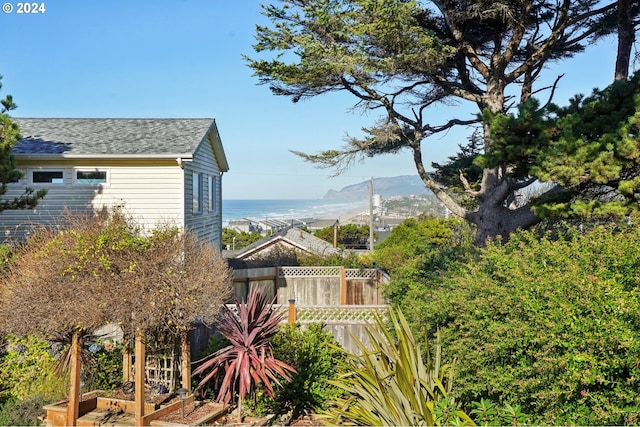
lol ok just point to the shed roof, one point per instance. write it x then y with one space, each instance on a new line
85 137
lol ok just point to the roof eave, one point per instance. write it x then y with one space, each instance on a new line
24 156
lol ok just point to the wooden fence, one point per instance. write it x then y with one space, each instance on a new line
313 286
343 299
347 323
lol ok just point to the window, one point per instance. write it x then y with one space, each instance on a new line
212 193
47 177
197 192
91 177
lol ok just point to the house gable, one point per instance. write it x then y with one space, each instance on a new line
292 238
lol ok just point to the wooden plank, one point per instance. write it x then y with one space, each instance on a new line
74 389
146 420
343 286
139 380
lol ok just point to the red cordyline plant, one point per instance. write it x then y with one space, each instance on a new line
248 360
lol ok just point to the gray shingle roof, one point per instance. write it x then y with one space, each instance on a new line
113 137
295 237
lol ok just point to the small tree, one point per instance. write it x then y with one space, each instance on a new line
9 135
348 235
248 359
232 239
95 269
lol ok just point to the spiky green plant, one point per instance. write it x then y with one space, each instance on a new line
248 360
389 382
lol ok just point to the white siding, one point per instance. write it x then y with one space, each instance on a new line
150 191
207 225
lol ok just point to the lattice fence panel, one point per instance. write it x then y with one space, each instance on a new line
308 271
356 273
345 314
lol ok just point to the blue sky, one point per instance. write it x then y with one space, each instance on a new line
182 58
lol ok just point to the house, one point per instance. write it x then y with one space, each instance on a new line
288 240
161 171
244 225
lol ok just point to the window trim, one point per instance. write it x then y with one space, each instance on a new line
33 182
196 177
212 193
92 184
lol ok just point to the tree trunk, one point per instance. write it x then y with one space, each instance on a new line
626 37
185 357
498 222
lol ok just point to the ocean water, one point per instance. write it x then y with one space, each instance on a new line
233 209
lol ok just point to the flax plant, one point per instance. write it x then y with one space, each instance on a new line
389 382
248 361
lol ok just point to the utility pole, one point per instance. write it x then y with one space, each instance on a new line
371 215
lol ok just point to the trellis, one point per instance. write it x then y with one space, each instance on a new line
161 370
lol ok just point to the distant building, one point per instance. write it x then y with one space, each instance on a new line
244 225
291 239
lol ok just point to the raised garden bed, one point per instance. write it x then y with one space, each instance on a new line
57 412
110 409
195 413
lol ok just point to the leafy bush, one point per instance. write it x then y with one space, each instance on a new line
418 250
215 343
28 368
349 236
16 412
309 351
549 323
232 239
104 371
348 259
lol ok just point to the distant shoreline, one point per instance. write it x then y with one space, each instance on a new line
290 209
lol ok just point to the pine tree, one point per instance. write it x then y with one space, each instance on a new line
9 136
406 59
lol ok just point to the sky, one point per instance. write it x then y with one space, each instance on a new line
183 59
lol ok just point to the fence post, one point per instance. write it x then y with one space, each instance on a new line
140 359
292 312
74 389
275 282
343 285
127 362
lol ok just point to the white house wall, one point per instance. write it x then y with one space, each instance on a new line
207 224
151 192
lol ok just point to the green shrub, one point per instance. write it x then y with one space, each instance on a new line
28 368
308 350
418 251
16 412
215 343
104 371
551 324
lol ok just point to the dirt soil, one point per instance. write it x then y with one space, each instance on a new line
192 412
306 420
158 399
199 409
